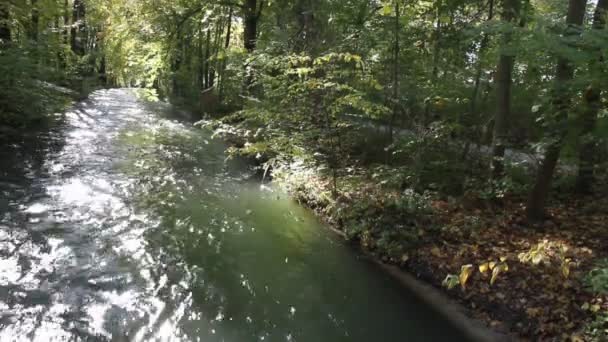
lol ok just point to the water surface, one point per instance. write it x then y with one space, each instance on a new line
126 224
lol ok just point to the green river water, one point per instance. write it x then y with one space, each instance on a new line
127 224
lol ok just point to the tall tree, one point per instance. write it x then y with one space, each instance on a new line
593 103
504 75
564 74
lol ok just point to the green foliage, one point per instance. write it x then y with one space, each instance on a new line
307 89
597 279
389 225
38 58
434 159
26 98
597 330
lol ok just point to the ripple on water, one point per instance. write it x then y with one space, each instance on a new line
132 227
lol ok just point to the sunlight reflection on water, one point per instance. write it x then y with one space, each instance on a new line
135 228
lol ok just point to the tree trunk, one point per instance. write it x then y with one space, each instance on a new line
78 16
250 34
593 104
226 46
504 71
561 101
35 21
482 47
207 56
219 29
435 70
250 29
201 58
66 22
396 68
5 28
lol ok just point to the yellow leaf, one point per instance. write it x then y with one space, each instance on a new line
595 308
465 273
566 268
537 258
498 269
492 265
503 258
483 268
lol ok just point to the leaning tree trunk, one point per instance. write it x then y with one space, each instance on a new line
561 101
5 28
593 104
504 72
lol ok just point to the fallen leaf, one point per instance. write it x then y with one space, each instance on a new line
465 273
498 269
450 281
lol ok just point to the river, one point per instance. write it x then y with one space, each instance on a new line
125 223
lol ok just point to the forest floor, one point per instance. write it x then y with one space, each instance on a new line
528 281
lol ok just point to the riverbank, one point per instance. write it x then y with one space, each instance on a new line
530 282
44 111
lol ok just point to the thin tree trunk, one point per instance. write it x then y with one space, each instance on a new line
207 56
216 48
504 72
78 16
66 22
396 68
201 58
252 15
435 71
561 101
5 28
226 46
503 112
482 47
593 104
250 29
35 21
73 28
